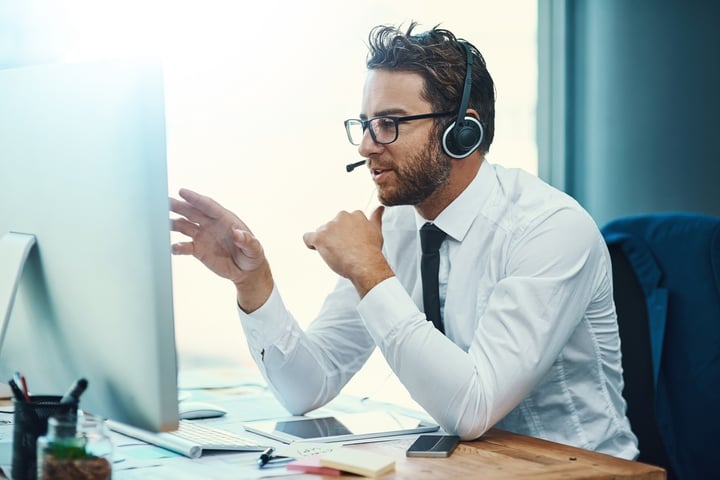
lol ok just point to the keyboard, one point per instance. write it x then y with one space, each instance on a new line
211 438
191 438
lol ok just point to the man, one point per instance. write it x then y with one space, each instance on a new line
525 334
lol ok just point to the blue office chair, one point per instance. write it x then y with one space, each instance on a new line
666 275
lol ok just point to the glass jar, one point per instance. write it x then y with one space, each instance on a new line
76 446
97 438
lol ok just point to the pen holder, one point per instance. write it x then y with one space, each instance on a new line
30 422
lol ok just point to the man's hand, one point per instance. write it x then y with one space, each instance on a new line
221 241
351 245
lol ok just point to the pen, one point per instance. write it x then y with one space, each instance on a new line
19 394
73 394
20 381
268 457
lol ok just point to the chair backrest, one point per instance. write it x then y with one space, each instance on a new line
634 329
666 275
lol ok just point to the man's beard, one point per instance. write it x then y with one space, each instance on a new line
417 179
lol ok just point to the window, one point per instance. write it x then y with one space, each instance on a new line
237 80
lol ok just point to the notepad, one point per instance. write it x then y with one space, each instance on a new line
311 464
360 462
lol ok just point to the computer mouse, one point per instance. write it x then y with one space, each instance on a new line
194 410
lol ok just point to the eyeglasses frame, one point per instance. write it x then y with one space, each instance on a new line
365 124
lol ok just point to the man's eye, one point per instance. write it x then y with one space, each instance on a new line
385 124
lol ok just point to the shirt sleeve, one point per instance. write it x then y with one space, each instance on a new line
306 369
551 273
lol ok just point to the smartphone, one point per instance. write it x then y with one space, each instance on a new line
433 446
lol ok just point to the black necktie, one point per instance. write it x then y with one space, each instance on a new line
431 237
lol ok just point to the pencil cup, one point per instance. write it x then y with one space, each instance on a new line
30 422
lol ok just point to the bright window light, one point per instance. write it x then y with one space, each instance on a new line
256 95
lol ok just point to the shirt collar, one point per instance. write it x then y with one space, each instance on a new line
456 218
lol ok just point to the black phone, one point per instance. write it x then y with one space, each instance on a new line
433 446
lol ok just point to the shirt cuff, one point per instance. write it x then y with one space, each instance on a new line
385 307
267 324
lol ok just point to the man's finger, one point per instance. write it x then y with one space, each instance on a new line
206 205
309 239
183 248
376 217
184 226
187 210
247 243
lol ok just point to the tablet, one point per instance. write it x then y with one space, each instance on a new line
340 427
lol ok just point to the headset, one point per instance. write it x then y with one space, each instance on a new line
461 137
465 134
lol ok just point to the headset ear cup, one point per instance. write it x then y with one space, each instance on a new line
460 141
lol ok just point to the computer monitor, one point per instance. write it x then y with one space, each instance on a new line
83 173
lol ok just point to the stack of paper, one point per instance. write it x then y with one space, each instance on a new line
360 462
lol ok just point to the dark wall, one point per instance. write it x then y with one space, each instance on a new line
643 97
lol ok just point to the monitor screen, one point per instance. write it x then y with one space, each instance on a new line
83 171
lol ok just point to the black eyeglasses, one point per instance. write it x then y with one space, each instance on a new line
383 129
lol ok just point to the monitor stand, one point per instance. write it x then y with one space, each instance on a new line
14 251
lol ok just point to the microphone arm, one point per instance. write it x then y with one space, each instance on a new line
352 166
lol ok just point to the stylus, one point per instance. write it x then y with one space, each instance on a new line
73 395
22 383
19 395
268 457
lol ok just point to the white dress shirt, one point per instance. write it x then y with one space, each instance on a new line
531 342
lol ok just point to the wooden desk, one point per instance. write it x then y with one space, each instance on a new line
501 455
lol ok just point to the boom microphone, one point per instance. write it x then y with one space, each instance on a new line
353 166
